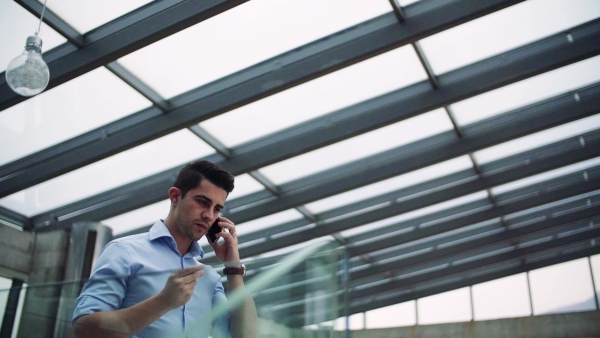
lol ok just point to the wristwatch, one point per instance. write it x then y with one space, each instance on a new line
235 271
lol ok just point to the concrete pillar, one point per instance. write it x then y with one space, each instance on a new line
38 318
16 250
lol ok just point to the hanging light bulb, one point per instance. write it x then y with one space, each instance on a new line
28 74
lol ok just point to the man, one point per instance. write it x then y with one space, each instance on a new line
151 285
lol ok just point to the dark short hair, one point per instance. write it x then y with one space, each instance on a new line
192 174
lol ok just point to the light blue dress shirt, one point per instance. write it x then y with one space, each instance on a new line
134 268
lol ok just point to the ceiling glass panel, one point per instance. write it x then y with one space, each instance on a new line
292 248
395 183
565 287
403 314
415 214
125 167
447 307
537 139
502 298
17 24
504 30
244 185
545 176
240 37
66 111
527 91
269 221
367 79
84 16
377 141
138 218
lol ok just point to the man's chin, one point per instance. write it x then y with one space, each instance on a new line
194 237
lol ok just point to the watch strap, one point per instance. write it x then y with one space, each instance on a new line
235 271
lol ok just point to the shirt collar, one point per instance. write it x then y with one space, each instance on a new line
160 230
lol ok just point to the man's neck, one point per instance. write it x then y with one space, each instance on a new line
183 243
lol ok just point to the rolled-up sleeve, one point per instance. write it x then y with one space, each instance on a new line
106 288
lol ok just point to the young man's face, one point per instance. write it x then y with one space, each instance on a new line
197 211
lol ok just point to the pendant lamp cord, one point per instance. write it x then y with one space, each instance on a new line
41 18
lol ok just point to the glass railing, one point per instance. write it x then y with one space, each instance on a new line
297 295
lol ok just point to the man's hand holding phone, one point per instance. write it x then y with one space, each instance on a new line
227 251
214 229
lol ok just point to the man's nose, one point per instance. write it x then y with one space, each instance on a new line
208 214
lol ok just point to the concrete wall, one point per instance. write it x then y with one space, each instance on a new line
38 317
16 252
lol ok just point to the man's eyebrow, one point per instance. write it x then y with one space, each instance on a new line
208 199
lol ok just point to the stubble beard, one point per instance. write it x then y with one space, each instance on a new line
186 227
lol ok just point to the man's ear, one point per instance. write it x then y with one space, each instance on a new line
174 195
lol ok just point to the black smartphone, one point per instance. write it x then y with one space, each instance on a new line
213 230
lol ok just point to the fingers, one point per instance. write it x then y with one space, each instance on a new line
227 251
189 271
188 275
227 225
180 285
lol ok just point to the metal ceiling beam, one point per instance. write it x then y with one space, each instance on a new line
436 149
298 282
64 29
396 209
54 21
546 114
466 278
10 217
569 186
279 73
448 278
538 162
542 195
120 37
472 267
296 292
450 253
117 203
469 232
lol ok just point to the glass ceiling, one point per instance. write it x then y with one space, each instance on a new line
337 118
258 30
